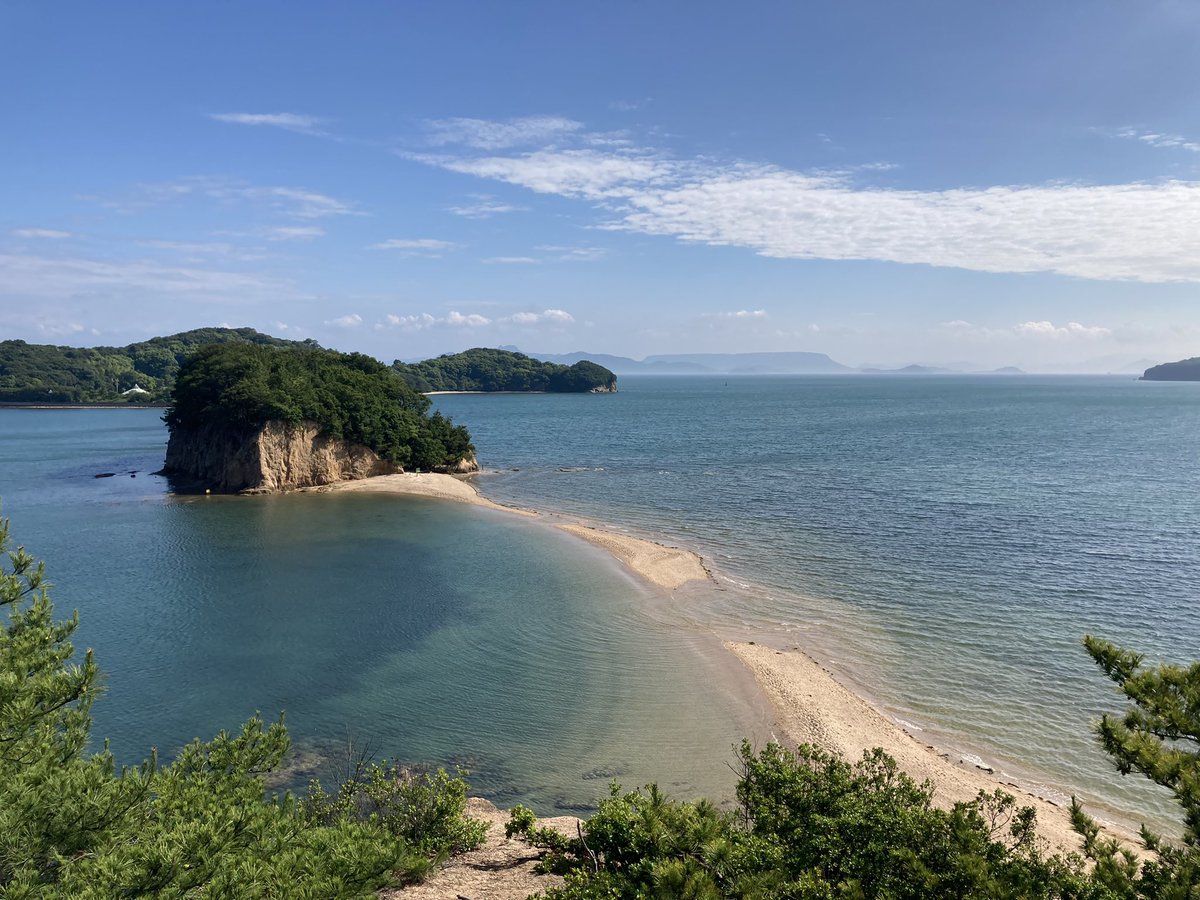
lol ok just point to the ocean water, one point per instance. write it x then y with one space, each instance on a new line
416 629
940 543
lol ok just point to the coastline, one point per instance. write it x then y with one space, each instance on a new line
809 704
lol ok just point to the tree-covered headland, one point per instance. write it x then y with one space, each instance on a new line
484 369
241 387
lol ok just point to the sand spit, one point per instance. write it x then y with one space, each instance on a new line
667 567
502 869
812 707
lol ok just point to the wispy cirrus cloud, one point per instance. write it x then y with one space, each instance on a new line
288 121
510 261
416 246
283 200
484 206
52 234
485 134
1139 231
1160 139
743 314
31 276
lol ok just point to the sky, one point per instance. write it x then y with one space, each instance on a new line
936 182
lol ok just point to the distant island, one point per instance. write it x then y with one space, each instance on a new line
1184 370
144 373
252 417
483 369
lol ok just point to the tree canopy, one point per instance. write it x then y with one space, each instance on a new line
348 395
483 369
43 373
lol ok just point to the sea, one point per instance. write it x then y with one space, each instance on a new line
940 543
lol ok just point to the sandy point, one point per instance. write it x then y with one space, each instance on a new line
812 707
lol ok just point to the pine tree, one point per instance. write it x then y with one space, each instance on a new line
74 824
1159 737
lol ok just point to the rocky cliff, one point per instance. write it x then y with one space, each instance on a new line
275 457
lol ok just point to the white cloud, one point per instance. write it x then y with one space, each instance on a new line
1148 232
288 121
485 134
1070 331
590 174
47 233
485 207
293 202
511 260
552 316
294 233
452 319
353 320
414 246
1036 330
37 276
574 254
1156 139
219 248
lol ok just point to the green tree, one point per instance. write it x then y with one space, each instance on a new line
1158 737
74 824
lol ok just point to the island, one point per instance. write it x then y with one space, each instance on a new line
144 373
1184 370
486 370
247 417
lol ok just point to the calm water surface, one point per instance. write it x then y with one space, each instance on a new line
942 543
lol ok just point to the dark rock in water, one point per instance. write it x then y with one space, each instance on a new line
105 475
133 474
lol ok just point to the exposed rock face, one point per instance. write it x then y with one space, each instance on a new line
610 388
276 457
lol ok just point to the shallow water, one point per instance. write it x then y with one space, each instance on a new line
424 630
943 543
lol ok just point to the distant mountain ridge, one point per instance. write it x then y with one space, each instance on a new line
777 363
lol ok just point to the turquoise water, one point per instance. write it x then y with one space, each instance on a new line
941 543
424 630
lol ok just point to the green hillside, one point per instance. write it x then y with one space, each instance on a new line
483 369
44 373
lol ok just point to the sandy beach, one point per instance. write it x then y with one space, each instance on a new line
810 705
666 567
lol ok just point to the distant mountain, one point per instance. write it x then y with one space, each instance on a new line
1184 370
783 363
1007 370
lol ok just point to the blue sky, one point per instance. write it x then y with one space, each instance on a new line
1011 183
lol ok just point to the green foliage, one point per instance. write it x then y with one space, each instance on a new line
1159 737
41 373
483 369
348 395
74 825
809 825
427 810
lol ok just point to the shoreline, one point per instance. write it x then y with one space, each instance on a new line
810 705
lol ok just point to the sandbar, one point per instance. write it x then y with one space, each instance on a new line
812 707
666 567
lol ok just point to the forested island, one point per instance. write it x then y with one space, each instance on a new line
144 373
1184 370
486 370
247 416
